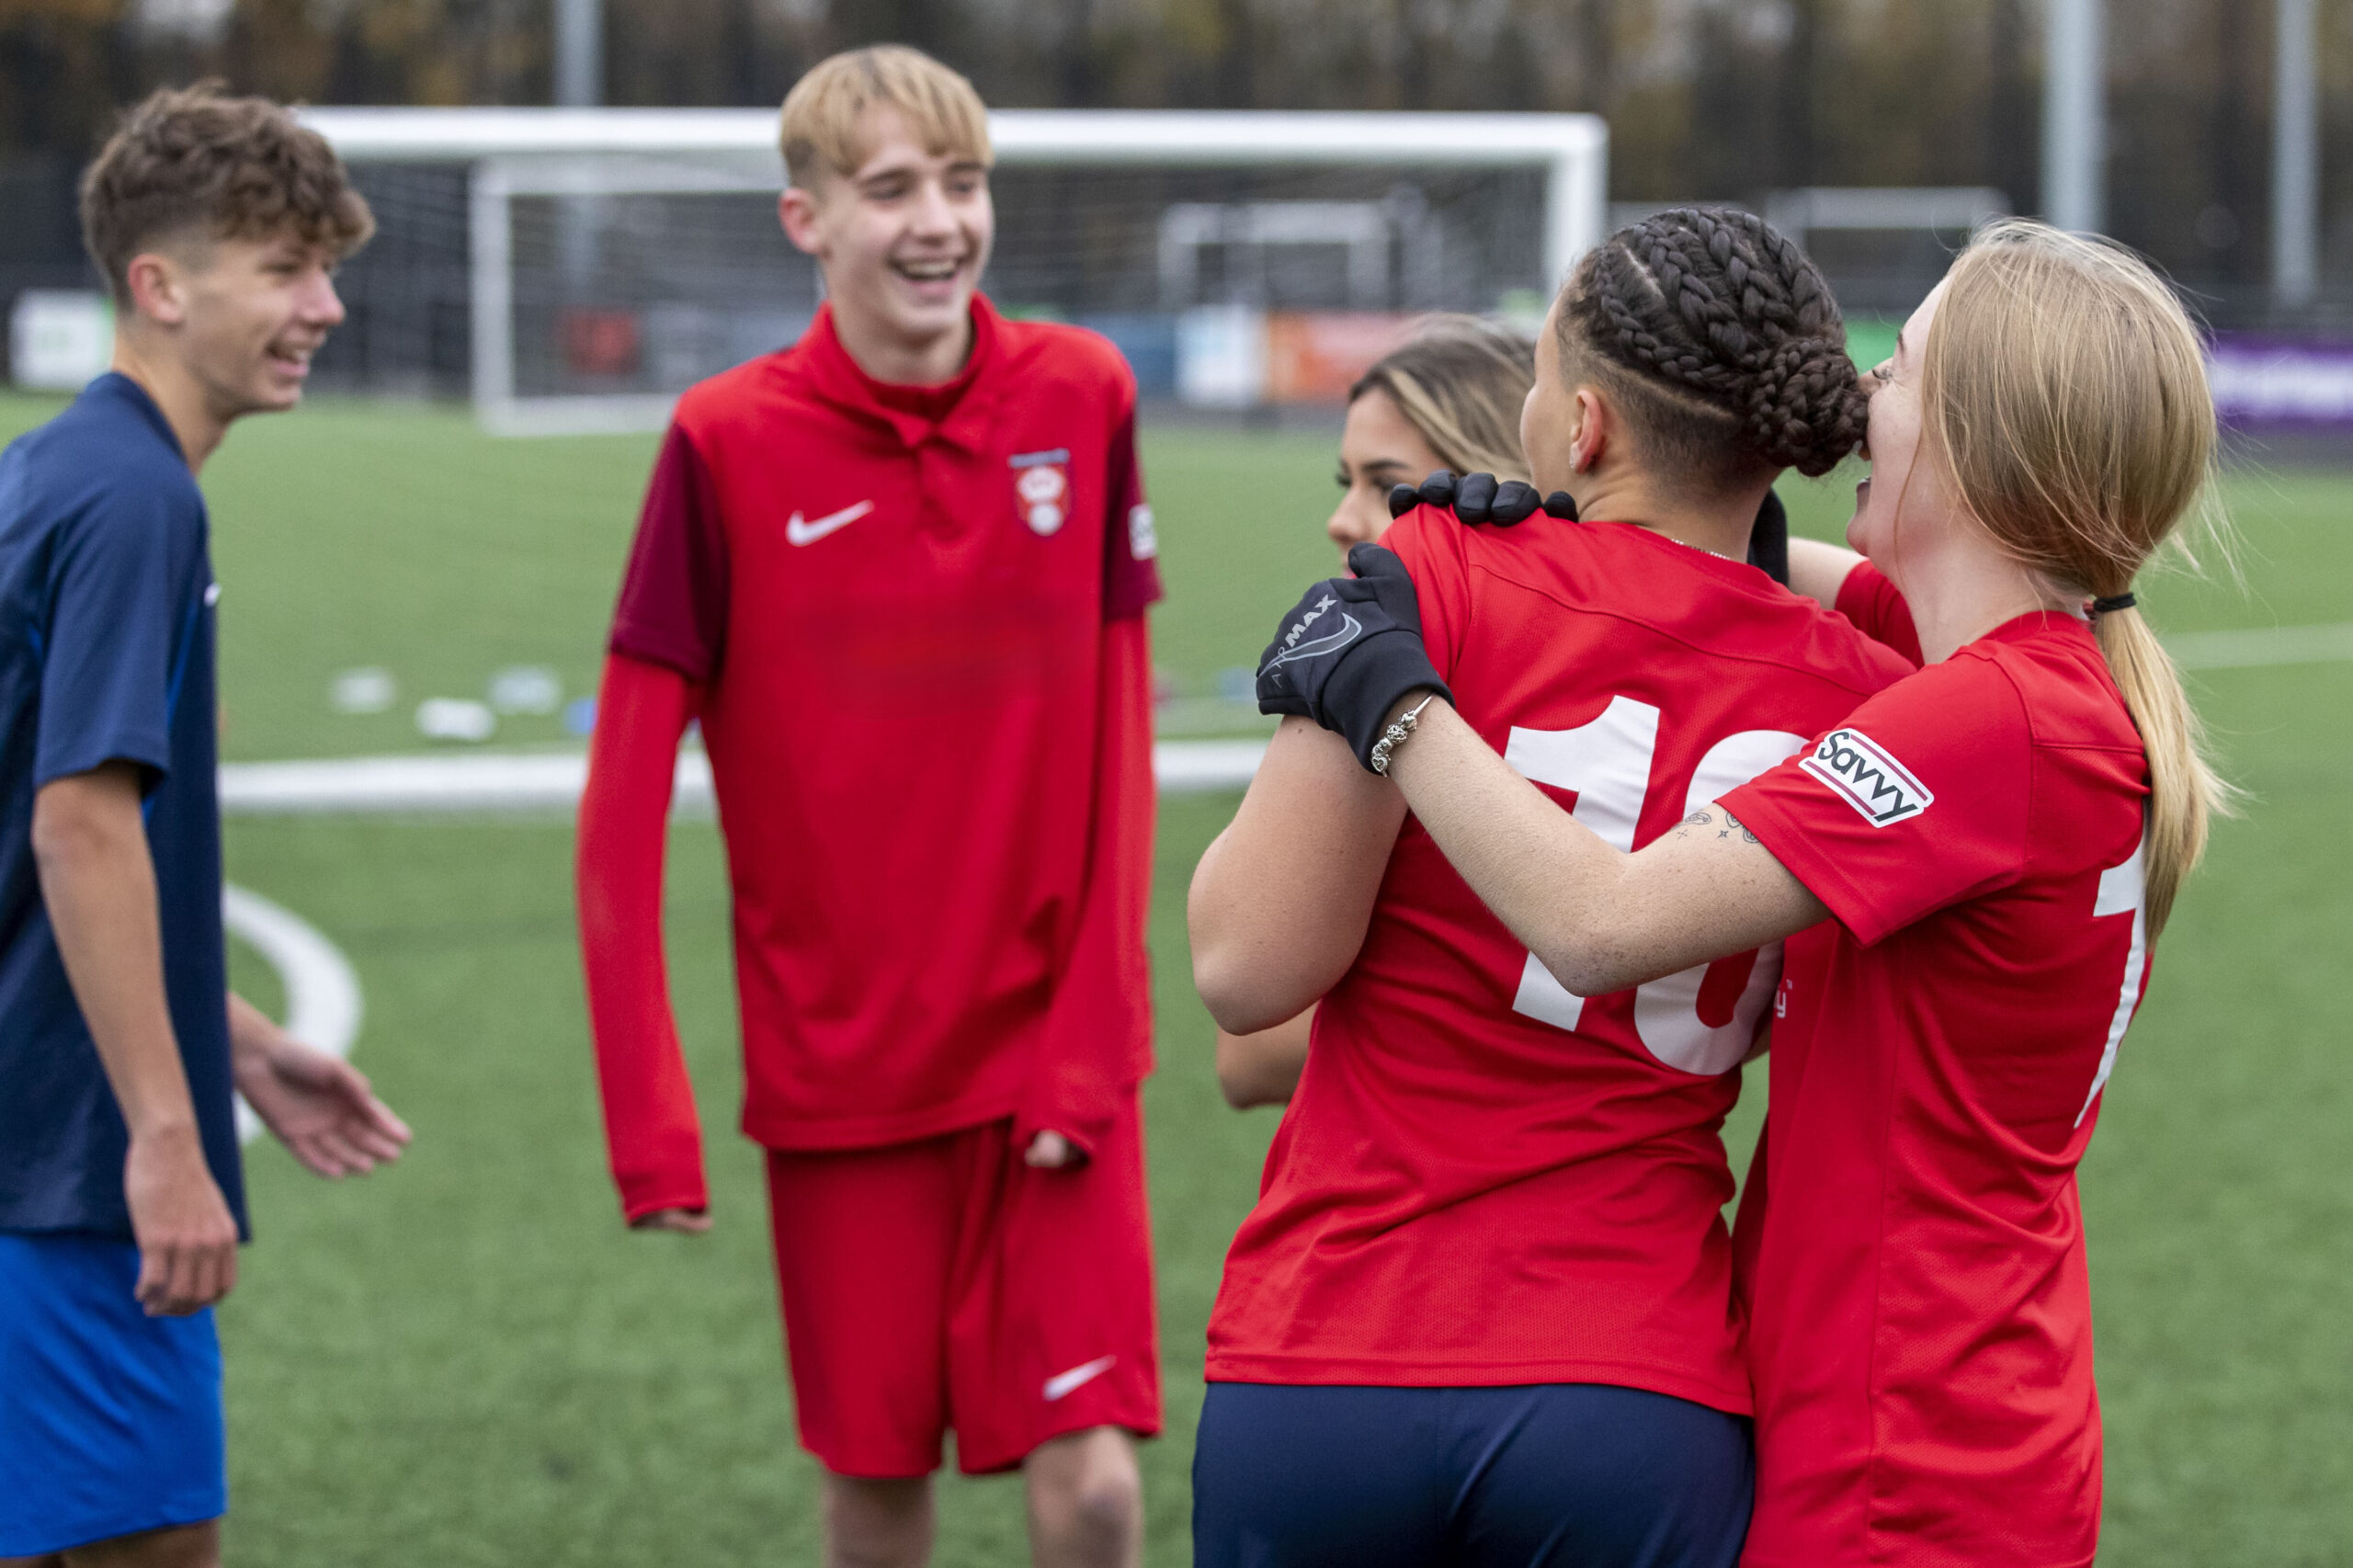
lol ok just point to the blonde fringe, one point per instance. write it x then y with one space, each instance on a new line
824 130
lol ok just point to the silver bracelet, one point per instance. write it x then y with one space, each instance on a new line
1394 736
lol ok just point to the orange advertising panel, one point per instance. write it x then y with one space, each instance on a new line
1315 356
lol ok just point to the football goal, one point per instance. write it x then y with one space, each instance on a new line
573 271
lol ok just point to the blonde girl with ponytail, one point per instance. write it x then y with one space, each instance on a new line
2066 400
1969 872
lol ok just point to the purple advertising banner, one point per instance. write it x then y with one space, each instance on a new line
2263 382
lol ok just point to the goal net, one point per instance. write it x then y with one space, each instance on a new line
573 270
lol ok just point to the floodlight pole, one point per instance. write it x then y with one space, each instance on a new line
2295 158
2075 116
579 83
579 53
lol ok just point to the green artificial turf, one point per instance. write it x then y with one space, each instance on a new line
466 1360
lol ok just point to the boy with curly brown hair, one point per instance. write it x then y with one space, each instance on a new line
217 221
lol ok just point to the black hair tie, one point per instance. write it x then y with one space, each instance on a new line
2116 602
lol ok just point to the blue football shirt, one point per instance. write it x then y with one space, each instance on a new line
106 654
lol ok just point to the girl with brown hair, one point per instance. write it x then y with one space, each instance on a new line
1968 868
1448 398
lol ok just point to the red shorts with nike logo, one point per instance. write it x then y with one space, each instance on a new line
945 1285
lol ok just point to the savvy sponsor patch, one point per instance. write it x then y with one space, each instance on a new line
1863 775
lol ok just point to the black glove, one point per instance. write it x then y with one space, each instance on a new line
1349 650
1768 541
1481 498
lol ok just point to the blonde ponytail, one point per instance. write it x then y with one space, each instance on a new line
2183 788
2065 390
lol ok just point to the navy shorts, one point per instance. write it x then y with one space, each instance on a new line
110 1420
1566 1475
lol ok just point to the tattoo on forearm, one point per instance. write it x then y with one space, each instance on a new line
1704 819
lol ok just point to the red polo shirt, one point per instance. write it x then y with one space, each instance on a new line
912 618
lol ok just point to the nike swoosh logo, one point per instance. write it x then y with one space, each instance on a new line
1348 632
1063 1383
802 532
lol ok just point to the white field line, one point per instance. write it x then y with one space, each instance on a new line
323 1005
551 781
2268 645
512 781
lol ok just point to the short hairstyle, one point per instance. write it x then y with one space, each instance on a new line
1721 341
193 161
1459 380
825 130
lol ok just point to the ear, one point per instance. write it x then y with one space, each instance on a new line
1589 431
158 287
798 209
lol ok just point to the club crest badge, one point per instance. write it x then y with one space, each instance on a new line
1042 490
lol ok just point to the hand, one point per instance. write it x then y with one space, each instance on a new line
1050 1150
685 1222
320 1106
188 1239
1478 498
1349 650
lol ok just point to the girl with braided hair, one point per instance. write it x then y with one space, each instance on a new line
1969 869
1483 1312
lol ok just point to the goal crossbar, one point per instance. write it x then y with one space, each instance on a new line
553 152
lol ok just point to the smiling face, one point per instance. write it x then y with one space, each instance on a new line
245 316
902 239
1379 449
1906 485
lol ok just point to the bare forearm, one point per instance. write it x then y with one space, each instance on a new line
1280 902
98 885
1541 873
1818 570
252 1032
1600 920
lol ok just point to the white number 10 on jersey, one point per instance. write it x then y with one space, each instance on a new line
1607 763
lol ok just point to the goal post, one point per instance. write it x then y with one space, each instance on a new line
570 167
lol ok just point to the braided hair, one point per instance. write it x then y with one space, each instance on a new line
1720 327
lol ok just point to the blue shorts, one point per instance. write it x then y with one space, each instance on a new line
110 1420
1566 1476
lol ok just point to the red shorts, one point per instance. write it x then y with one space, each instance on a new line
946 1284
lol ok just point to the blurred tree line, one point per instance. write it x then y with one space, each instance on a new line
1706 99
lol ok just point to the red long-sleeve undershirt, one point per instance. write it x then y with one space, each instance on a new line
651 1131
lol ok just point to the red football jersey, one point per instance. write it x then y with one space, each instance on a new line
1484 1179
914 614
1911 1244
1874 603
